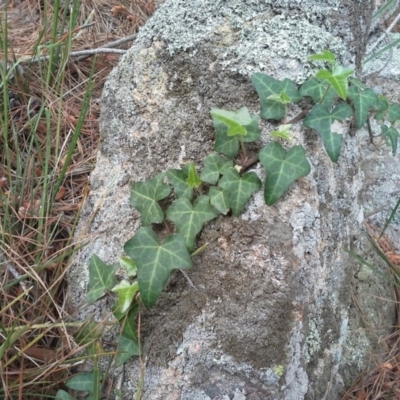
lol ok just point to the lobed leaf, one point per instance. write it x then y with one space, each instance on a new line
235 121
321 119
63 395
178 179
193 179
391 135
101 278
129 266
229 145
267 86
382 106
338 78
190 219
219 200
84 382
239 188
155 261
363 100
144 197
394 112
316 89
282 98
127 348
283 132
126 293
282 169
214 166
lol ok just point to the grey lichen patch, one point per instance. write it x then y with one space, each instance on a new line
282 42
285 39
313 340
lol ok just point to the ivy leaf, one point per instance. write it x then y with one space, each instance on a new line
239 188
190 219
235 121
126 293
219 200
178 179
316 89
391 135
155 261
363 101
321 119
338 78
283 132
101 278
144 197
282 98
193 179
63 395
229 145
325 55
129 266
214 165
357 83
394 112
382 105
127 348
84 382
282 169
130 328
267 86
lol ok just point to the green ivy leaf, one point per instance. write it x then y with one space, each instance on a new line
267 86
391 135
214 165
101 278
178 179
239 188
282 169
156 261
283 132
190 219
394 112
229 145
325 55
357 83
63 395
363 101
235 121
144 197
129 266
382 105
130 329
321 119
193 179
126 293
84 382
316 89
338 78
282 98
219 199
127 348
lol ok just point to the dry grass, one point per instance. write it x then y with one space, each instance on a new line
42 187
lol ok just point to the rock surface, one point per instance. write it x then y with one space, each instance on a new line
272 315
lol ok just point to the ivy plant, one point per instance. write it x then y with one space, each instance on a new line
223 185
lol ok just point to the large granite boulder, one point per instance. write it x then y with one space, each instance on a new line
272 314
